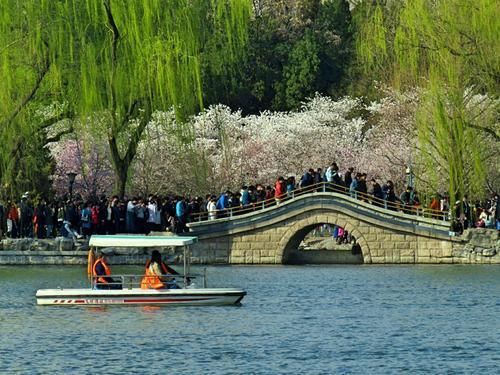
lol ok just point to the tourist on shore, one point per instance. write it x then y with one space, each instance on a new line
86 219
130 219
467 213
51 220
495 210
71 221
2 219
153 214
141 215
26 216
483 220
12 220
181 214
40 220
94 217
457 225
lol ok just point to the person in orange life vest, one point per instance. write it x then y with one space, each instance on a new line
156 269
101 272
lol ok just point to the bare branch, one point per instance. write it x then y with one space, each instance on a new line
488 131
38 82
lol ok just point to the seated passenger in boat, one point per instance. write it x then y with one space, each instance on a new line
101 272
155 274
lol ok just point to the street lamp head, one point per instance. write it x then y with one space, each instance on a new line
71 177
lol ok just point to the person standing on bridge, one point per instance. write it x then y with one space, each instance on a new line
389 195
377 193
280 190
290 186
348 178
362 188
223 203
353 188
307 179
212 208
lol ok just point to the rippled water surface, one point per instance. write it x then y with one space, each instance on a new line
311 320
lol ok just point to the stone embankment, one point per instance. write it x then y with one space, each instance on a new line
479 246
61 250
475 246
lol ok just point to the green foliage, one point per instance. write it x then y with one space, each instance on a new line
121 58
299 73
295 48
451 49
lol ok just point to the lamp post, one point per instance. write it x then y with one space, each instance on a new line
71 181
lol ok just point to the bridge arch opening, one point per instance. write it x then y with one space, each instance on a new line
322 243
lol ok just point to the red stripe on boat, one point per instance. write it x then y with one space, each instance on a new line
79 301
165 300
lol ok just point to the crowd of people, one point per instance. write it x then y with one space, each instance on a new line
76 217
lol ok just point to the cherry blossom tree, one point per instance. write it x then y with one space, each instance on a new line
89 160
219 148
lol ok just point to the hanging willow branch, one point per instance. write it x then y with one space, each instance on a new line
450 49
91 63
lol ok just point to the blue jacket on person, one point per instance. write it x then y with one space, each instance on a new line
180 208
245 197
222 202
354 185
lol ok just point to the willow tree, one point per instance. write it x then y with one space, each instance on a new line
118 59
450 48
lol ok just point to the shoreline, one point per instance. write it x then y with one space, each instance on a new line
480 247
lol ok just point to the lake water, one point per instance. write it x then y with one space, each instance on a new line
294 320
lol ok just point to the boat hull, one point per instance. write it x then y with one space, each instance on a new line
147 297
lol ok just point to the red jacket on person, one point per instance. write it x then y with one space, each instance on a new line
280 189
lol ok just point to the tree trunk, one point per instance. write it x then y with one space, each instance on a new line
121 178
122 164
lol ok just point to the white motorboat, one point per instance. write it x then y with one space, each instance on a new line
130 292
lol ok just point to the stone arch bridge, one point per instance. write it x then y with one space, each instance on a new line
271 235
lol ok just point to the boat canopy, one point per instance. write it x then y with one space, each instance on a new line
140 241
